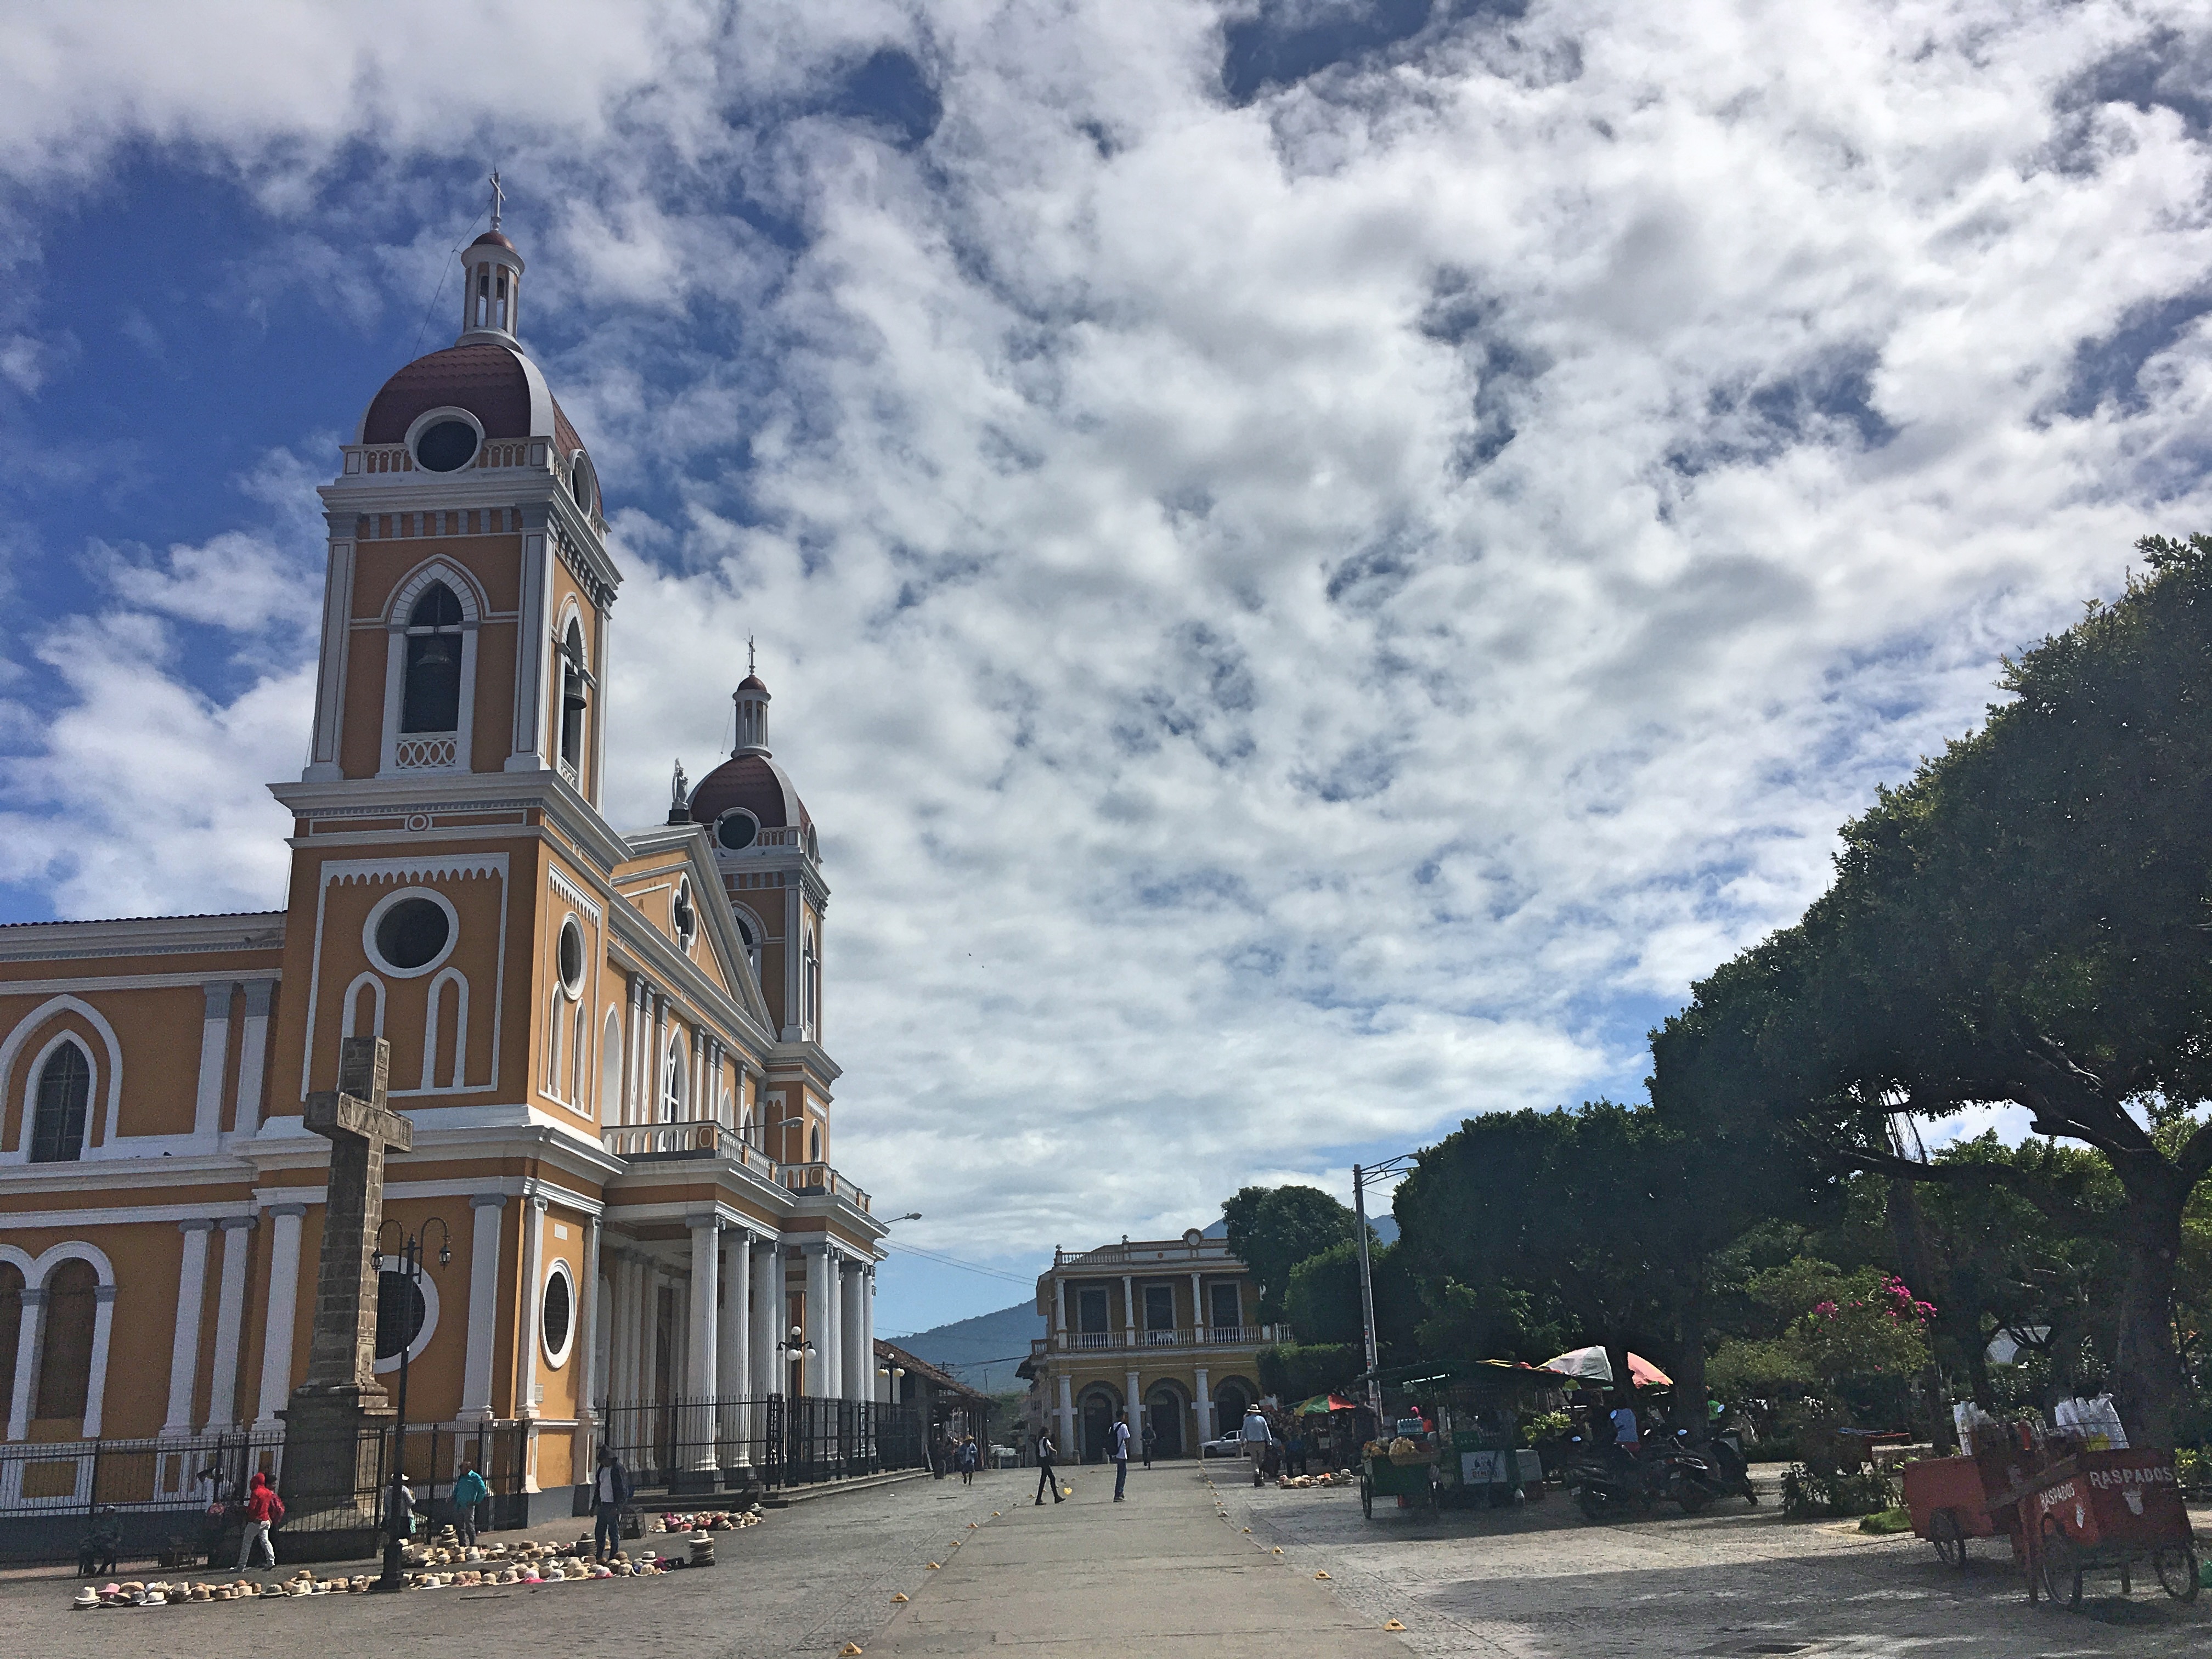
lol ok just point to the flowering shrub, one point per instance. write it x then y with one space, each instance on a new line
1837 1325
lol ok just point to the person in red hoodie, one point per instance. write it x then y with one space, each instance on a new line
263 1510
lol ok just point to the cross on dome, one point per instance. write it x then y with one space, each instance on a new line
498 196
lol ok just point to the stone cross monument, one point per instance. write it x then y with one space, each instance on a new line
328 1460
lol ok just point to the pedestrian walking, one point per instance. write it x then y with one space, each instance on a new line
966 1458
1045 1479
610 1489
470 1489
263 1510
1258 1437
1152 1443
1118 1440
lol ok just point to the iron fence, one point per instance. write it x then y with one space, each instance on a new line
733 1442
155 1493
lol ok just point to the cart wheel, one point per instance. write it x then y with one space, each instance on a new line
1948 1537
2176 1567
2059 1570
1367 1497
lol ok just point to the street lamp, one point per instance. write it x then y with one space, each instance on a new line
410 1268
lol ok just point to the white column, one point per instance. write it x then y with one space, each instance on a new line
768 1320
214 1046
28 1337
1067 1435
1059 1311
706 1303
629 1313
868 1319
1204 1404
656 1061
833 1373
858 1361
185 1341
1129 1309
588 1381
628 1102
229 1318
533 1262
531 644
282 1302
484 1213
733 1367
1197 1312
1133 1402
253 1056
103 1327
818 1314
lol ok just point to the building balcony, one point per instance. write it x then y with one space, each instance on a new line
646 1143
1153 1342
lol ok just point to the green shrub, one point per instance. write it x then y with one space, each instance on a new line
1807 1496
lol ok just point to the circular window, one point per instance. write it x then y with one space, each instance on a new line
410 932
572 955
736 828
406 1312
446 447
557 1318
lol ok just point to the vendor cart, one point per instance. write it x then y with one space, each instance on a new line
1398 1476
2102 1512
1953 1500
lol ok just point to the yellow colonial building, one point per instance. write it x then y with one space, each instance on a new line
609 1042
1164 1328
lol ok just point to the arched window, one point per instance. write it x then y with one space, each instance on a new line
611 1044
814 1144
430 697
12 1325
812 987
573 696
65 1357
673 1069
750 934
64 1088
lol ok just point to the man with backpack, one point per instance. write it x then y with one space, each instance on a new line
1045 1478
1117 1441
263 1510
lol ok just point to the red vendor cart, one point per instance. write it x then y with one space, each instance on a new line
1954 1498
2099 1511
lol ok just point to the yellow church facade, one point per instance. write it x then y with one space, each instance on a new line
609 1042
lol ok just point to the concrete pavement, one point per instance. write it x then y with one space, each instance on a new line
1161 1574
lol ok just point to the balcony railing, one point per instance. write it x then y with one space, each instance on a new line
705 1138
1207 1336
821 1178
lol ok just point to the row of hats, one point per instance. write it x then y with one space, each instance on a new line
709 1521
135 1593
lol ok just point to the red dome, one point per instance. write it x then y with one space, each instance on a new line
489 381
751 683
754 782
496 240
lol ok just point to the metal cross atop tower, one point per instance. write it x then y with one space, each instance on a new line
498 196
748 653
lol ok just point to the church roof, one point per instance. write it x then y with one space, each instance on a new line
492 382
754 782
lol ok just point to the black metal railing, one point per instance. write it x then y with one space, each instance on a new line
156 1490
733 1442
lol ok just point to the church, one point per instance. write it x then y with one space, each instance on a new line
608 1041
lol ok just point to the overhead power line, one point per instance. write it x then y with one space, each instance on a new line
954 1261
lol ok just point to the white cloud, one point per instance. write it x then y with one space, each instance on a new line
1298 621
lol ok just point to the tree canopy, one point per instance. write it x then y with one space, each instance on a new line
1272 1229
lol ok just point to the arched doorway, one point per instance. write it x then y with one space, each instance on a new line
1095 1411
1164 1407
1229 1401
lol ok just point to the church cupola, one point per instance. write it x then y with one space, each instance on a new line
752 700
492 284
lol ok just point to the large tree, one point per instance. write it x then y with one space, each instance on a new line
2026 921
1272 1229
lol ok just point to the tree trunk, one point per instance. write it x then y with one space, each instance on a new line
2148 1384
1623 1389
1690 1404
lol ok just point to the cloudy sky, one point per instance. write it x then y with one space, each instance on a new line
1318 561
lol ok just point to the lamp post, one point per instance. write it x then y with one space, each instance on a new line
410 1268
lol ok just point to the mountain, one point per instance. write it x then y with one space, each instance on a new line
982 1351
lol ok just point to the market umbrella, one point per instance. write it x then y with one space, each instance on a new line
1591 1365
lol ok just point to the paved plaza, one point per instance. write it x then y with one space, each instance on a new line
1169 1573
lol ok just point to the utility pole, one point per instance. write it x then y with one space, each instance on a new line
1389 1169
